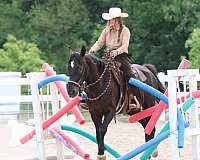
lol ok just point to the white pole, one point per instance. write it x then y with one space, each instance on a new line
194 121
55 108
37 115
192 76
172 96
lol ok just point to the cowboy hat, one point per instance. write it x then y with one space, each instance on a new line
114 13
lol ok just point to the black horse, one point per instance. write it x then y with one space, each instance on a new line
93 75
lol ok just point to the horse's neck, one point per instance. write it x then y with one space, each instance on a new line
94 69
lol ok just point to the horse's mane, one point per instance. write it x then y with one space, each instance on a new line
99 62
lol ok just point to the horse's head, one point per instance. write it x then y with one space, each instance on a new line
76 71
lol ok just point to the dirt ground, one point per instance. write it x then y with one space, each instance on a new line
125 137
122 136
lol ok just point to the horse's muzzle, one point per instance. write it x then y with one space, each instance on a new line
72 90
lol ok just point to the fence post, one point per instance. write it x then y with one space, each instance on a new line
192 75
172 95
37 115
194 121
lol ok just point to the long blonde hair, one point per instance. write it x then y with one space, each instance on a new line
120 22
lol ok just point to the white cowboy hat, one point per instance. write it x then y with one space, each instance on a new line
114 13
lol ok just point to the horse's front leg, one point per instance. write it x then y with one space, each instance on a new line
97 120
102 131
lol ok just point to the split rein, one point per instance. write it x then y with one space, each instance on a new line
84 86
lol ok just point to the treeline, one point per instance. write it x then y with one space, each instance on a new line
159 29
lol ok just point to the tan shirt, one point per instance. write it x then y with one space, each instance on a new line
109 38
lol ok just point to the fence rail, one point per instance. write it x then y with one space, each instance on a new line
18 99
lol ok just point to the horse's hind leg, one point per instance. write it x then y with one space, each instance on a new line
144 122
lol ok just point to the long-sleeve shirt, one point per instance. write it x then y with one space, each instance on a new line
109 37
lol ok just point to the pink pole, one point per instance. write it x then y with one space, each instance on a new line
73 143
141 115
195 94
148 112
49 71
158 111
74 101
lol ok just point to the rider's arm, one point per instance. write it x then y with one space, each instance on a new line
125 41
100 42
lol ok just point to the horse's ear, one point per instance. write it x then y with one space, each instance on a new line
70 51
83 51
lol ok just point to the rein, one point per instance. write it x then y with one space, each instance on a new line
85 86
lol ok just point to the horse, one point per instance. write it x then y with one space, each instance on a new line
92 74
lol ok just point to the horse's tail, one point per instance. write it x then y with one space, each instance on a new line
153 69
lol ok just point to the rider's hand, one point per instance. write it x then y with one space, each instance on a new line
114 53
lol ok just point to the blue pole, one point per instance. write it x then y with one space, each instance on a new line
181 129
52 79
148 89
145 146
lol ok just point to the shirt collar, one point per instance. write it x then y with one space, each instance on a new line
117 29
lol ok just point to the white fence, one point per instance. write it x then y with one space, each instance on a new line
164 78
11 97
9 94
190 76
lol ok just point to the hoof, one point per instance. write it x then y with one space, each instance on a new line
101 157
155 153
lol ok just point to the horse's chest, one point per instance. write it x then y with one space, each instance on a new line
98 107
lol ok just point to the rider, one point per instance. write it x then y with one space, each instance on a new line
115 37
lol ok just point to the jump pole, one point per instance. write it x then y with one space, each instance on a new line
148 112
161 106
165 133
34 78
90 137
186 105
173 75
154 111
37 112
49 71
52 119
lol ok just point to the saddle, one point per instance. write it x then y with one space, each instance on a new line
126 100
138 73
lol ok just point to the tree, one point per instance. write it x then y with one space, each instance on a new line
57 25
12 20
193 44
54 25
18 55
159 30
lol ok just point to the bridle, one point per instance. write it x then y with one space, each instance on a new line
82 86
